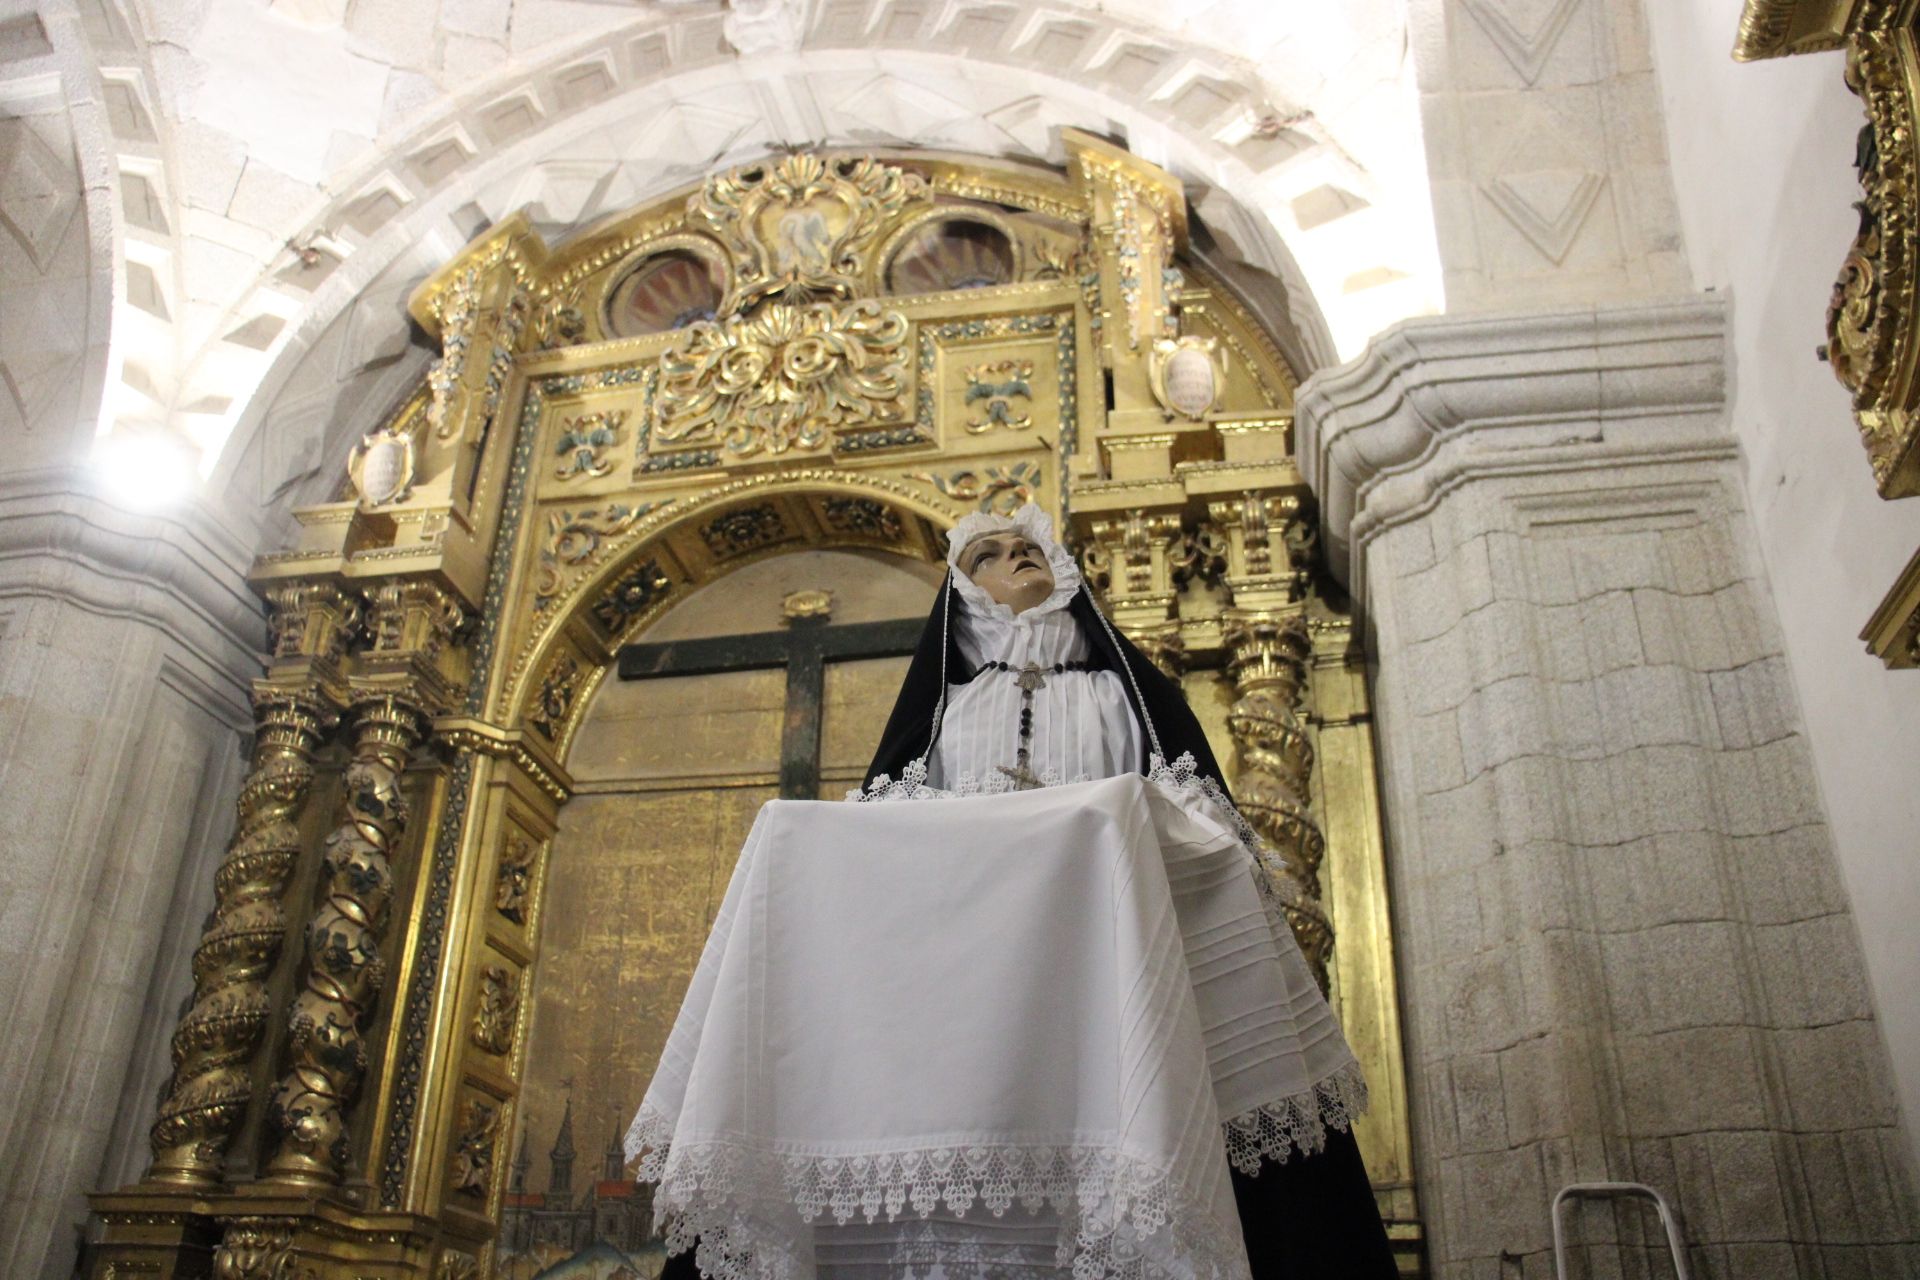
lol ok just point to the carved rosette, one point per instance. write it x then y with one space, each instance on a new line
223 1027
1269 651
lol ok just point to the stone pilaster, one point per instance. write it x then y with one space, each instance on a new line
127 643
1626 951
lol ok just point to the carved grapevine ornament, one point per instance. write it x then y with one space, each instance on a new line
797 230
784 378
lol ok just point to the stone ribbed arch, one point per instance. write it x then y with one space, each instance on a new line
431 189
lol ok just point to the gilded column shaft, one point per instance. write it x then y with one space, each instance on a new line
327 1056
221 1030
1269 651
216 1040
396 690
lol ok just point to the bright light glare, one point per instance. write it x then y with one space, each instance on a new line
144 471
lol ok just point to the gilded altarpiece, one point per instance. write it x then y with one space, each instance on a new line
1873 319
817 353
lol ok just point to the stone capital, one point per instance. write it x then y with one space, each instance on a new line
1435 401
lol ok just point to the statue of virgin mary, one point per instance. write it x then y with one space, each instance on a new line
1052 1023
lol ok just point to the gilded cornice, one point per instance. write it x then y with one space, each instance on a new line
1893 633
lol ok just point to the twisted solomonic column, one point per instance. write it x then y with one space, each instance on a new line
214 1044
1268 658
326 1051
217 1037
394 693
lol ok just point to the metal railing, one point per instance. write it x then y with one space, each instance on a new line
1600 1190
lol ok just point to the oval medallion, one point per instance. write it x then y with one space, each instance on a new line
384 468
1191 382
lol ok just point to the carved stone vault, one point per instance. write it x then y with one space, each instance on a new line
816 351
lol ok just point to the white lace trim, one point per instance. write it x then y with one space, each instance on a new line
728 1197
1276 1130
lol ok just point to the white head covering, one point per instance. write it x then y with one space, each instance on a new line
984 628
1033 522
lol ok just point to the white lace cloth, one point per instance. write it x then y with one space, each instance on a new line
998 1036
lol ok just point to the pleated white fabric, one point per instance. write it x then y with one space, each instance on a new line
997 1035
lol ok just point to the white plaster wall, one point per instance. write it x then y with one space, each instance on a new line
1762 168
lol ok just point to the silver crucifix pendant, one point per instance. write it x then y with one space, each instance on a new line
1023 777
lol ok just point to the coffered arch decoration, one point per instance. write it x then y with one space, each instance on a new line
578 459
623 580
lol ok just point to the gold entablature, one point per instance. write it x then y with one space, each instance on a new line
559 482
1873 322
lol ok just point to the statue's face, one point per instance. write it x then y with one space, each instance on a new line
1010 567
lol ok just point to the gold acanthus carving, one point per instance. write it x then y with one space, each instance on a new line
326 1053
513 883
574 536
1134 556
469 325
784 378
471 1165
1268 652
257 1248
584 441
499 1007
218 1036
625 548
1164 646
311 619
797 230
414 617
1268 543
1771 28
392 699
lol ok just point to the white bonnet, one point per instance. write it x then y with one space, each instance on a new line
1036 524
1030 519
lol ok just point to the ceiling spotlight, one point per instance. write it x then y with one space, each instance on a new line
144 470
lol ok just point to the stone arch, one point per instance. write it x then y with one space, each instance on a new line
388 209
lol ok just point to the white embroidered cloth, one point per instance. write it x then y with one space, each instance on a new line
1015 1034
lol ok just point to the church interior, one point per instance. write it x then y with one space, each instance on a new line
464 457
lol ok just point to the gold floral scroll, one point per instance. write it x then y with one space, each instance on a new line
784 378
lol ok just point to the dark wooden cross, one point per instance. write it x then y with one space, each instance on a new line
804 649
